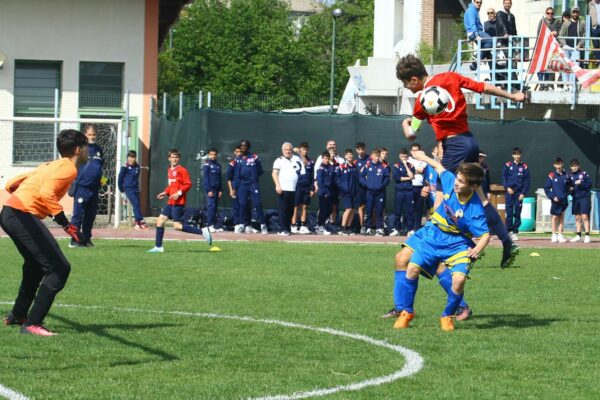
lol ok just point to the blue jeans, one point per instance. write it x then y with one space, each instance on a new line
486 43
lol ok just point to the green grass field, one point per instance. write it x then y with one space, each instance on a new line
534 333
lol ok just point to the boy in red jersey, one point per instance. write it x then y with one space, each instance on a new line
34 196
451 128
179 184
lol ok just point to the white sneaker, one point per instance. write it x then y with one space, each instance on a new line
394 233
554 238
156 250
319 230
251 229
294 229
370 232
304 230
238 229
410 233
219 229
513 237
212 229
264 230
284 233
586 239
561 238
326 232
577 238
379 232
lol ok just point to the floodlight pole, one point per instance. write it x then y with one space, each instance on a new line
335 13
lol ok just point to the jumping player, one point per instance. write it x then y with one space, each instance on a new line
34 196
179 184
445 238
452 129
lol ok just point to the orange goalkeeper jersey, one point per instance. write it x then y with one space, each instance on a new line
38 192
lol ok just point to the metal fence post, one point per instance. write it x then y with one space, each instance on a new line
209 100
126 130
164 104
180 105
200 99
55 123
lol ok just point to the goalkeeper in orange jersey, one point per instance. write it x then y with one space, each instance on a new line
35 196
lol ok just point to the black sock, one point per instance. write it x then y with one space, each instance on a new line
496 224
579 234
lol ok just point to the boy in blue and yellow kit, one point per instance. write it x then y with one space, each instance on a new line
446 238
129 185
582 204
211 176
516 181
557 189
346 179
403 174
375 176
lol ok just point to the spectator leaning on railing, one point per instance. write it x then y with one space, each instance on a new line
475 30
553 26
594 10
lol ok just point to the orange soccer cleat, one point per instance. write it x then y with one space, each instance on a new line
403 320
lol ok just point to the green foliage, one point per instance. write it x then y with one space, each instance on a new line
250 47
533 332
428 53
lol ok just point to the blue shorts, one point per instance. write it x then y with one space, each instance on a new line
347 202
459 148
361 197
558 208
432 246
302 196
582 205
173 212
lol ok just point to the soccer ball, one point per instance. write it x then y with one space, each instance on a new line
434 99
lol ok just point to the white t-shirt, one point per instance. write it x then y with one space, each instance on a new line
289 170
418 178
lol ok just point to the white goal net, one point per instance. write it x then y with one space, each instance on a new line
26 142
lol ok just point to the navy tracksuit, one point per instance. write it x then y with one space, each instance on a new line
362 191
325 183
346 180
211 179
515 176
558 186
128 183
403 198
305 184
85 191
246 173
375 177
581 192
234 201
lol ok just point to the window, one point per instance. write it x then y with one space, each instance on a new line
100 85
35 86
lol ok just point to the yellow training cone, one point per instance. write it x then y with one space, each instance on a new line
215 248
535 254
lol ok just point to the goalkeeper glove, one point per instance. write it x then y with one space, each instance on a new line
69 228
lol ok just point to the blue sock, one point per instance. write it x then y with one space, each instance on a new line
191 229
160 232
496 224
399 278
452 304
408 294
445 281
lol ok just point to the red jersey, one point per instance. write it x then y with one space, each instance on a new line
179 181
454 120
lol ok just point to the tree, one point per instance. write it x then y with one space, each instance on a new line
249 47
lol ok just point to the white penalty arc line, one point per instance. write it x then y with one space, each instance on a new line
414 362
10 394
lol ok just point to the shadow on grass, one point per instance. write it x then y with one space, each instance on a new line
519 321
101 330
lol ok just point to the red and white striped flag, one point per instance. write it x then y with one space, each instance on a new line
549 56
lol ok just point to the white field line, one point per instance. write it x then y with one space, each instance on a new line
11 394
414 362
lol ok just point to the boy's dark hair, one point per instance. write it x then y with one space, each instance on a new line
574 162
325 154
237 147
472 172
90 126
245 142
131 153
360 145
304 145
409 66
403 152
417 145
174 151
348 151
383 149
213 149
376 151
69 140
516 150
558 160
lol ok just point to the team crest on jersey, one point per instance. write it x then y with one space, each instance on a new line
446 196
580 176
459 213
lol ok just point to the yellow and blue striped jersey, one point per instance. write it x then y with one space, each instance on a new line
452 216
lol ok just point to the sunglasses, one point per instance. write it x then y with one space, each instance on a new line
491 13
549 13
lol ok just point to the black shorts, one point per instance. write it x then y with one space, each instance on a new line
302 196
